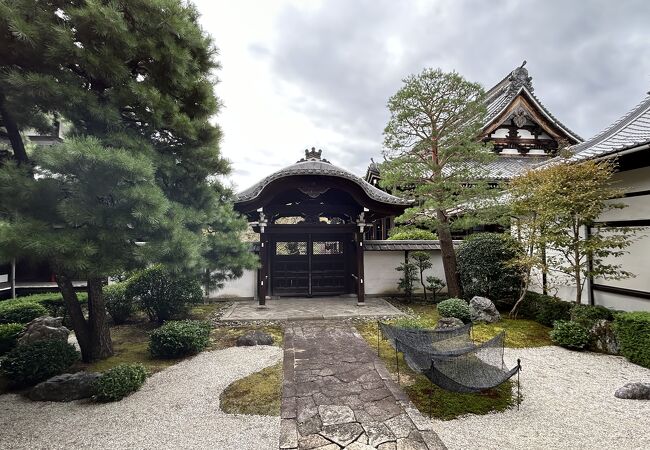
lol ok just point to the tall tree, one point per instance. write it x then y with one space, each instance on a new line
138 75
434 155
559 206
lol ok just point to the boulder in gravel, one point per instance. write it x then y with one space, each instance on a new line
44 329
605 338
482 309
65 387
447 323
634 391
255 337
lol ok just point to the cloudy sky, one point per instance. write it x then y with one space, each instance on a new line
300 73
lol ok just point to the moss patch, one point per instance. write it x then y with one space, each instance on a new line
520 333
259 393
224 337
444 405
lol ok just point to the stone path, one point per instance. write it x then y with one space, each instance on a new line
310 309
338 394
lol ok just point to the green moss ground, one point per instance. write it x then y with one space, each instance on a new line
259 393
449 405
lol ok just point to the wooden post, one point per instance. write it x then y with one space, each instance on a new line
13 278
361 294
263 279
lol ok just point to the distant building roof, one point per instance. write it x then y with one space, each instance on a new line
505 91
507 167
631 130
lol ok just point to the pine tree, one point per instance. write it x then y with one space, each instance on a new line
137 76
434 156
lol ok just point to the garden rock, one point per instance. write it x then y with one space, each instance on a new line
254 338
605 338
482 309
447 323
634 391
65 387
44 329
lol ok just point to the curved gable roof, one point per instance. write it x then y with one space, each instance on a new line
319 168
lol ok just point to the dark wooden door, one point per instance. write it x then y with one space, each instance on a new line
311 264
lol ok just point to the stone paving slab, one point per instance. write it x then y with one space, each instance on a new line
310 309
338 395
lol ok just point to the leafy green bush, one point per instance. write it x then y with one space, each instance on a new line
118 382
162 294
29 364
483 263
118 304
633 333
52 302
415 322
570 334
411 234
454 307
179 338
587 315
20 311
551 309
8 335
407 281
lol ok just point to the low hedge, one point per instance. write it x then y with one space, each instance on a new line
588 315
9 333
20 311
48 303
544 308
633 333
179 338
570 335
118 382
454 307
30 364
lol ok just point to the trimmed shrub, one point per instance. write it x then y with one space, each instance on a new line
9 333
162 294
30 364
20 311
118 382
570 334
552 309
411 234
118 304
51 301
483 266
587 315
544 308
179 338
633 333
454 307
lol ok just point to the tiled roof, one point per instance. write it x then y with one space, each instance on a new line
323 168
507 167
632 130
504 92
388 245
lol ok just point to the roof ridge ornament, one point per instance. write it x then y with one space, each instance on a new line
313 155
519 77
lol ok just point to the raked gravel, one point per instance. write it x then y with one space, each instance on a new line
568 403
176 408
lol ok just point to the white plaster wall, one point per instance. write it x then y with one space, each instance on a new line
623 302
381 278
243 287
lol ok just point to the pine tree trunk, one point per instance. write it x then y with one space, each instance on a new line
448 256
100 334
13 132
93 335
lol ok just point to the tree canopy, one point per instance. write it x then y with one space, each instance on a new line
138 178
434 155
